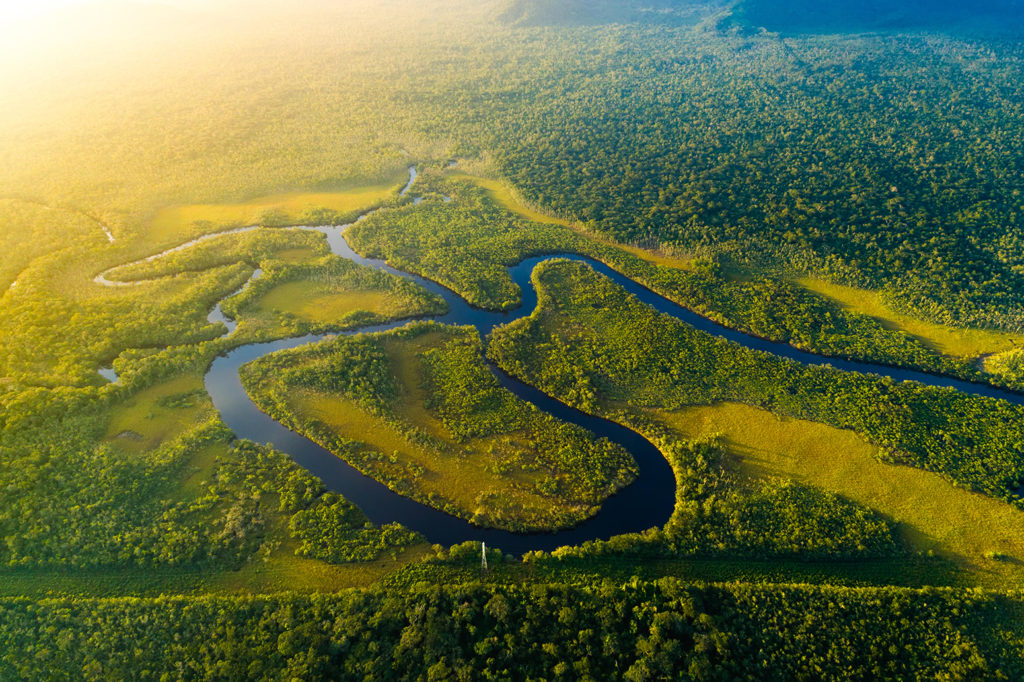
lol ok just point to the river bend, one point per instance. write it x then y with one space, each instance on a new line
646 503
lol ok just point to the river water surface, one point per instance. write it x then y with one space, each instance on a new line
646 503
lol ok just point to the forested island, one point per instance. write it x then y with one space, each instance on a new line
513 339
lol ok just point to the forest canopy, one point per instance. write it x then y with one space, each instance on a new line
175 184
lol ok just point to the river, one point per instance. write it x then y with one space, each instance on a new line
646 503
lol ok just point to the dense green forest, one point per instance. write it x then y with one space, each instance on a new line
844 177
597 630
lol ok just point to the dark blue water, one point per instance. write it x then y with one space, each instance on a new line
646 503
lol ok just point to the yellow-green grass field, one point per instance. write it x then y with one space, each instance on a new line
297 255
176 222
146 420
965 343
277 571
319 302
276 568
932 514
463 473
141 423
506 197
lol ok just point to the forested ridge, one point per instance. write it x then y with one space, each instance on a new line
842 16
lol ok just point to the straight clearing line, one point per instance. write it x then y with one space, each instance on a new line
281 572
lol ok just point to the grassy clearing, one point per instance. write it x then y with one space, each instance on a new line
158 414
281 571
320 303
462 473
965 343
506 197
277 568
175 222
296 255
933 515
418 410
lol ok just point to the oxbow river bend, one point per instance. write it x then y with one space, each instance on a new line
646 503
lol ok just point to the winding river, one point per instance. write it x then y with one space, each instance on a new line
646 503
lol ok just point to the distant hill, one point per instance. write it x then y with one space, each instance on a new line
584 12
844 16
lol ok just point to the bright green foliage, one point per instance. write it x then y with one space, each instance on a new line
594 630
1008 366
329 530
461 243
52 339
356 367
591 338
720 514
471 403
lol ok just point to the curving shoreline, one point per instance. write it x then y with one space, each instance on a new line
646 503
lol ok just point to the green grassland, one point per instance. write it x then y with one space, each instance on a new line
319 302
980 534
955 341
322 294
295 208
419 410
582 344
157 414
